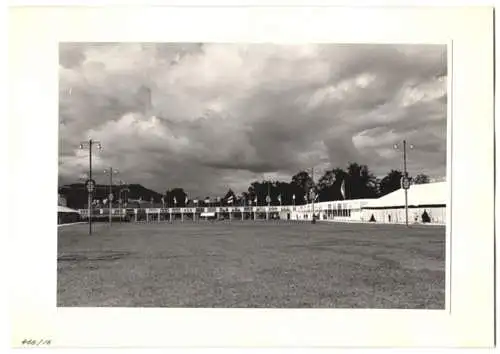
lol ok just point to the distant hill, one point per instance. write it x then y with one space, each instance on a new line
76 195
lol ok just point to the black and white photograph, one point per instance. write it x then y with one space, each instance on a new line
248 175
251 177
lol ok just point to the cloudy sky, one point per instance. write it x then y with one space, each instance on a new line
211 116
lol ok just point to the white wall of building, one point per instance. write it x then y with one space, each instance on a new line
397 216
429 197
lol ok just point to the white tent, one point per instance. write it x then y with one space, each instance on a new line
418 195
430 198
67 215
63 209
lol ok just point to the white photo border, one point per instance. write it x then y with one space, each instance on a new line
35 34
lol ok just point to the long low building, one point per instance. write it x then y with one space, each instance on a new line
338 210
426 204
67 215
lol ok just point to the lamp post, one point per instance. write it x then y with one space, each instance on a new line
120 199
110 171
313 195
268 198
405 181
90 182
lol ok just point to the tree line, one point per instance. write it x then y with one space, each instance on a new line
359 183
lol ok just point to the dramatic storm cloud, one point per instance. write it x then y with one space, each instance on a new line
211 116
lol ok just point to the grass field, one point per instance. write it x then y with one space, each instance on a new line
247 264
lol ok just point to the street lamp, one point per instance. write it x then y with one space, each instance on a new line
90 183
405 181
110 171
268 197
121 202
312 195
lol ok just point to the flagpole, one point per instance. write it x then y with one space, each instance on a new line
406 176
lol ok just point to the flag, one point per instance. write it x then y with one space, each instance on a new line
105 201
279 198
186 201
315 199
175 200
230 199
195 201
342 189
255 200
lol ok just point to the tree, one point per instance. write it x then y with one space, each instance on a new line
178 194
301 182
360 182
369 184
421 178
257 190
244 198
229 193
391 182
329 184
285 191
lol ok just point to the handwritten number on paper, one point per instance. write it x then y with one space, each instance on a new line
36 342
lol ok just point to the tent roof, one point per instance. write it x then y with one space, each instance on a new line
63 209
418 194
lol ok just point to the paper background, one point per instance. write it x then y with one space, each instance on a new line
33 125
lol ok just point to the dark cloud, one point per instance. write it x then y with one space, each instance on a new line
212 116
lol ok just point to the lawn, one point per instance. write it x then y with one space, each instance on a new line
252 264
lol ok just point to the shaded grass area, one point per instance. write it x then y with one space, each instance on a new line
252 264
